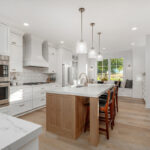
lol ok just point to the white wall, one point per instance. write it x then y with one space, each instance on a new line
138 71
82 64
147 70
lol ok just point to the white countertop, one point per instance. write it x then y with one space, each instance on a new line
92 90
15 132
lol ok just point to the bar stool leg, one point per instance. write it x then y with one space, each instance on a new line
117 102
107 127
111 116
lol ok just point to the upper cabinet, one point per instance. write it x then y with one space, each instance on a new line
49 54
4 32
16 52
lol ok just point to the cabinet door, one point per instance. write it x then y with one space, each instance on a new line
15 39
3 40
52 60
36 96
16 58
16 95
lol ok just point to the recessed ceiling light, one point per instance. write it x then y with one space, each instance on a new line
134 28
62 42
132 44
103 48
26 24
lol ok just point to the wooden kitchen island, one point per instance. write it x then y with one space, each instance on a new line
66 110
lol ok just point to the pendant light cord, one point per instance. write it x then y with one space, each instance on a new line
92 37
81 26
99 42
92 24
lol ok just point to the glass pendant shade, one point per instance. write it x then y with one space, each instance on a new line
92 53
81 47
99 57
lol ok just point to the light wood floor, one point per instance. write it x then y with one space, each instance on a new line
131 132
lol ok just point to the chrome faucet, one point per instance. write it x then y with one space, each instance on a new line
83 76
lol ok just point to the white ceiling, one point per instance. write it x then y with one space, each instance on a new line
57 20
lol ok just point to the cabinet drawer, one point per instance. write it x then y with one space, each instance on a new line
39 102
22 107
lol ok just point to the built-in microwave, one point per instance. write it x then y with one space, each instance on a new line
4 68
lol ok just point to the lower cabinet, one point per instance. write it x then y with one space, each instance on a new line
39 96
26 98
21 107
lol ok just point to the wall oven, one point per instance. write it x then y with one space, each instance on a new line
4 68
4 93
4 80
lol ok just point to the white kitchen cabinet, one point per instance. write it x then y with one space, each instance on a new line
4 32
21 107
15 39
27 98
20 99
27 93
16 52
39 96
16 94
49 54
67 57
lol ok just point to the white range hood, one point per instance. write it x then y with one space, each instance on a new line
32 52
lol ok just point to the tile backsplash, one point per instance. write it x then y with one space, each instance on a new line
29 74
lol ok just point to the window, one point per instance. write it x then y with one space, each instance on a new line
116 69
102 70
110 69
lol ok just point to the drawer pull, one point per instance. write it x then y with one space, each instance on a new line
21 105
14 43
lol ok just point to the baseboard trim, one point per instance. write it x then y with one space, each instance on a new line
30 111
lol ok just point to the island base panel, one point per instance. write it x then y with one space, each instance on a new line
65 115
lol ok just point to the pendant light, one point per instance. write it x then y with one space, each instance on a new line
92 52
81 47
99 57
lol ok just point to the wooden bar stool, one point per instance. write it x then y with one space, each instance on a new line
116 96
103 108
107 108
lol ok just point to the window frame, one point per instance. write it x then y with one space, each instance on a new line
109 68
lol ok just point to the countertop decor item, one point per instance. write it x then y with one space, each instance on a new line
99 57
81 47
92 52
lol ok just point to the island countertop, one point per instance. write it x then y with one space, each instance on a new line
92 90
15 132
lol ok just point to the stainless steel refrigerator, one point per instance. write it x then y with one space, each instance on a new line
67 78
